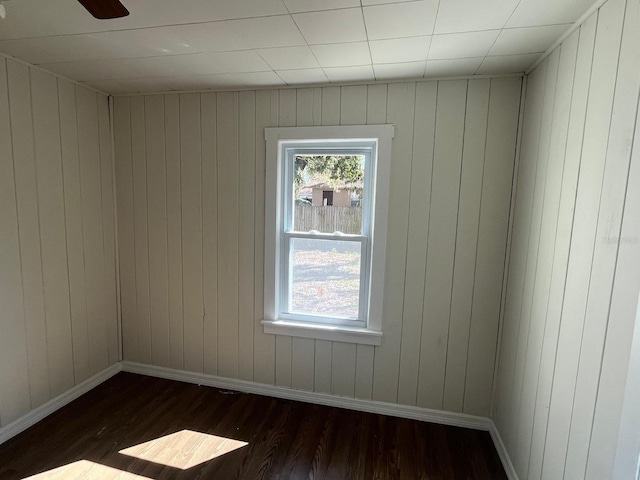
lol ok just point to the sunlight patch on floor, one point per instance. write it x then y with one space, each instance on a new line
184 449
85 470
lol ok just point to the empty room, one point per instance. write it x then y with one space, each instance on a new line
320 239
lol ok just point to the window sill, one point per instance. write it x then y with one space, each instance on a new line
321 331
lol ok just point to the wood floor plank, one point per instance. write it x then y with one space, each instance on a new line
258 437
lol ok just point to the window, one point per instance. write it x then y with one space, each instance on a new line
325 231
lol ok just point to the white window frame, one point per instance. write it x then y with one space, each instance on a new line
368 328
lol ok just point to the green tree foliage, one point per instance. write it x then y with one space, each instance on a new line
344 171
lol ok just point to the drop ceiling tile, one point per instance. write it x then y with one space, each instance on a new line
547 12
265 32
297 6
37 18
95 70
399 70
33 50
223 81
201 64
350 74
262 79
133 85
334 26
342 54
302 77
454 67
289 58
381 2
513 41
399 50
455 16
507 64
204 37
148 42
397 20
462 45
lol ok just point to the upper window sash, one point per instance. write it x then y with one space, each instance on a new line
367 149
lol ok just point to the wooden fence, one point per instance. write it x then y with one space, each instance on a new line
328 219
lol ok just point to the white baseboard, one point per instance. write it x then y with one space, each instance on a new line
37 414
502 452
371 406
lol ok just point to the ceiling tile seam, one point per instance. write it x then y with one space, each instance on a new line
103 32
366 33
152 56
270 70
56 75
433 30
320 85
278 47
308 46
150 27
496 39
577 24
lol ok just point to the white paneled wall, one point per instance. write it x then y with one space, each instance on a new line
190 177
58 312
562 358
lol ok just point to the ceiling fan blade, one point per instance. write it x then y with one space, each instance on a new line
105 9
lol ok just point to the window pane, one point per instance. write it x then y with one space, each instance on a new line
325 277
328 193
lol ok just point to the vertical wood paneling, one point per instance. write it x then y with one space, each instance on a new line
210 230
519 244
580 78
322 366
473 157
246 235
191 190
579 272
228 222
263 344
14 396
174 230
445 187
157 227
29 230
91 189
57 312
400 110
233 161
546 243
614 440
610 217
572 352
126 239
109 229
491 249
73 229
140 232
55 278
530 329
419 209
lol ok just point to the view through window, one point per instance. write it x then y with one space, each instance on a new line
326 272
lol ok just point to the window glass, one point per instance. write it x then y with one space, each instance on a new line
325 277
328 193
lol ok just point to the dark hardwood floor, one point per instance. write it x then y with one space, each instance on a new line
285 439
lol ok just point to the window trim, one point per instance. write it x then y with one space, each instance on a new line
276 141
